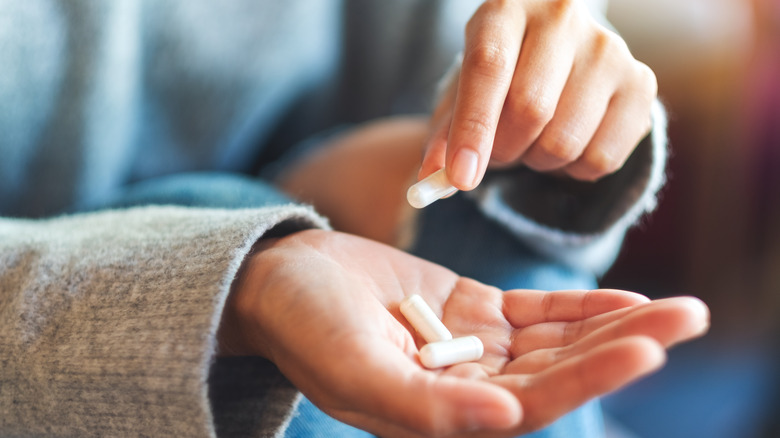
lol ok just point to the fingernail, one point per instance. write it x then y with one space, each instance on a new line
702 315
464 168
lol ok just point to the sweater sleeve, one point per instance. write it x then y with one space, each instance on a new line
108 324
581 224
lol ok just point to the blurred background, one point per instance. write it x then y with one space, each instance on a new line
716 234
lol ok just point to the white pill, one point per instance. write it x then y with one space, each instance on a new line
445 353
425 192
421 317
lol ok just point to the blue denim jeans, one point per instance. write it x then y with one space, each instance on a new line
451 232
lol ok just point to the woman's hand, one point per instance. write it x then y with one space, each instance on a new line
542 84
323 306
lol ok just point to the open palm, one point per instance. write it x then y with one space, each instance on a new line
323 306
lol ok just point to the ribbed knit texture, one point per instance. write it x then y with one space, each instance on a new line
108 322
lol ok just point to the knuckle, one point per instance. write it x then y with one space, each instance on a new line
562 10
504 155
477 123
564 148
599 163
538 113
533 112
488 60
608 45
647 80
601 43
492 7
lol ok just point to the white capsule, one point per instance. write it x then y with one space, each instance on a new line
425 192
422 318
445 353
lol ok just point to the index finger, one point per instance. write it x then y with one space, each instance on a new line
493 40
524 308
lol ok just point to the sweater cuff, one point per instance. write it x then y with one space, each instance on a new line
579 223
108 323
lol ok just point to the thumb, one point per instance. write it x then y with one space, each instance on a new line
472 404
430 403
436 149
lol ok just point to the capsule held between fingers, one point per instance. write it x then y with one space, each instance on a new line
429 189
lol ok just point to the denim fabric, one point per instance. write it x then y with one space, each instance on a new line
471 245
453 233
310 422
206 189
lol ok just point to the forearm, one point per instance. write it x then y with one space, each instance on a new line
359 179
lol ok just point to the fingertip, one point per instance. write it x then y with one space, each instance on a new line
464 171
628 296
683 318
696 305
699 314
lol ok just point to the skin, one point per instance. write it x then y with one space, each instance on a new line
541 85
323 306
544 85
372 165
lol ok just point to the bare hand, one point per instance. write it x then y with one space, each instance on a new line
542 84
323 306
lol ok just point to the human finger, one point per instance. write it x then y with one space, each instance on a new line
524 308
594 78
436 148
548 395
542 71
440 121
668 321
626 121
493 40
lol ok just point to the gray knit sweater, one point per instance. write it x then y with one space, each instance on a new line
108 317
108 322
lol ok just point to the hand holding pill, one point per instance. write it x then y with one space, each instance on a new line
429 189
542 84
323 306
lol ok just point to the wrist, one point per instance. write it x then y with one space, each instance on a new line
238 333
